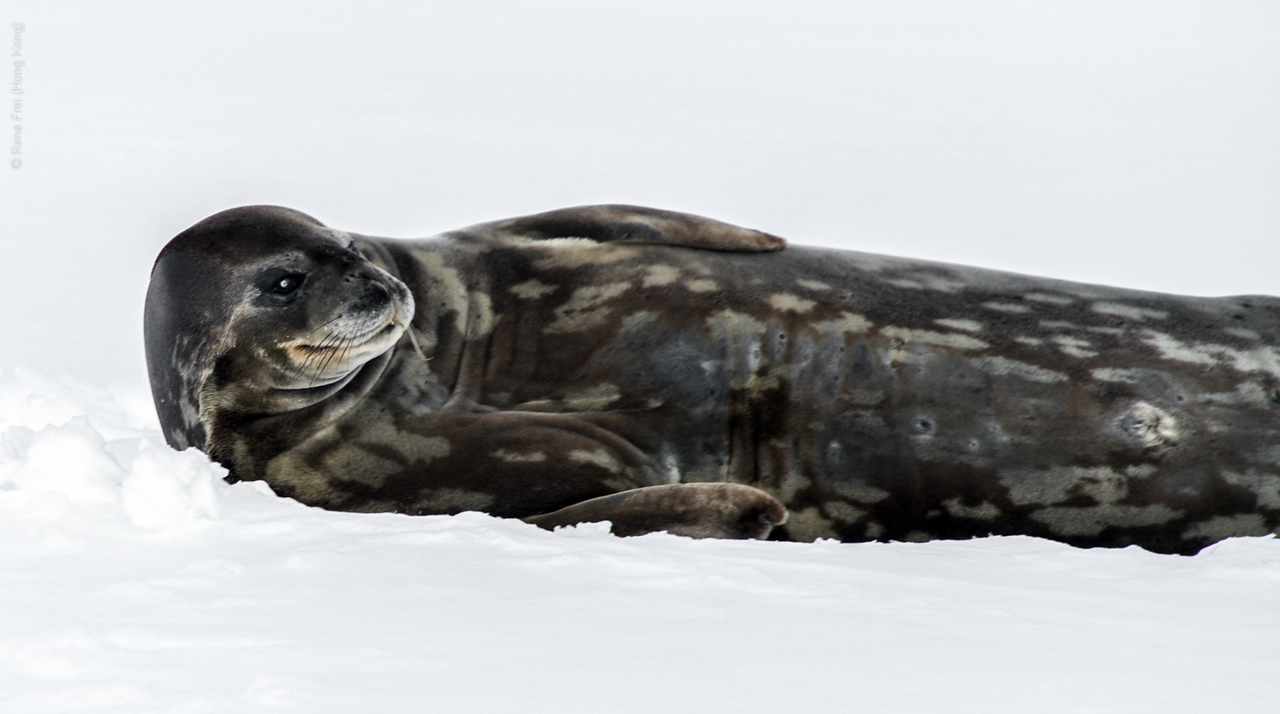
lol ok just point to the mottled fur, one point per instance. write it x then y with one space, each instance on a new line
876 397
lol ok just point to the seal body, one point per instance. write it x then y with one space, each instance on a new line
547 361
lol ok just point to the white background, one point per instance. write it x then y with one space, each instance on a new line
1127 143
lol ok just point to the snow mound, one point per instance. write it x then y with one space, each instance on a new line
137 581
51 450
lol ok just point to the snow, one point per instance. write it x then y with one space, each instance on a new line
137 581
1128 143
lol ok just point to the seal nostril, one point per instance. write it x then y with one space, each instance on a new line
375 296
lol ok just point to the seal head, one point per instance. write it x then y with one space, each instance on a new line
258 311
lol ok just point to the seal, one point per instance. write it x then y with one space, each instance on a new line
670 372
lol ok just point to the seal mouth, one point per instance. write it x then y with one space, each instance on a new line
337 355
335 344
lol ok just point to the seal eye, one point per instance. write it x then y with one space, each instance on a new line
287 284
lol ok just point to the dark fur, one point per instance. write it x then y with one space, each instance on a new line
877 398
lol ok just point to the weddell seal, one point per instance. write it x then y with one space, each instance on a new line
669 372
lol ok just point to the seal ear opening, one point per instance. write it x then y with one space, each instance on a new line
638 225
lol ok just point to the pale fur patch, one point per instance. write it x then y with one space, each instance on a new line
813 284
533 289
1010 307
848 323
1131 312
657 276
787 302
599 457
1092 520
586 308
594 399
939 339
701 285
514 457
1030 372
1048 298
965 325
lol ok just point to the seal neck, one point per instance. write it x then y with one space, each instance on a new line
243 440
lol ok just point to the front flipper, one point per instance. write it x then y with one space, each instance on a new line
636 225
696 510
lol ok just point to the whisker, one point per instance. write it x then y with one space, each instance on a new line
339 349
408 330
321 355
